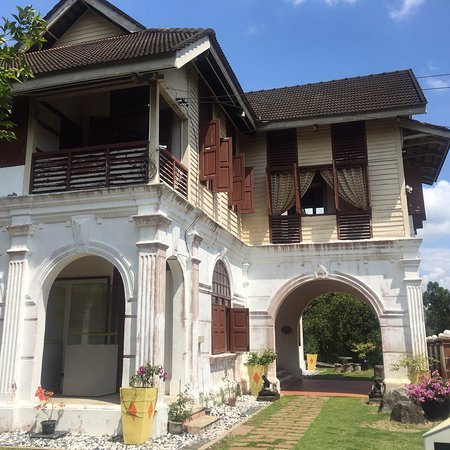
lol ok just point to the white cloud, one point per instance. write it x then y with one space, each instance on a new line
437 225
437 83
431 66
406 8
435 266
326 2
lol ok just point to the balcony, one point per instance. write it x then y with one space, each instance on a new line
89 168
173 173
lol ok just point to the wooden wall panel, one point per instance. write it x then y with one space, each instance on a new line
314 147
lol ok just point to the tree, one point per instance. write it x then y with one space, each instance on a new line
16 37
340 323
436 301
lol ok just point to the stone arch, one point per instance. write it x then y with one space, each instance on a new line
291 299
48 271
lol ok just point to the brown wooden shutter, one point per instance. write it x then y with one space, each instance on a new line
247 205
218 328
13 153
348 141
209 149
237 195
224 180
282 147
414 198
239 327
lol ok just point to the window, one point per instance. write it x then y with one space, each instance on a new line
229 326
316 190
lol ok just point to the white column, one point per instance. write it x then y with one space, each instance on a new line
151 284
416 318
14 304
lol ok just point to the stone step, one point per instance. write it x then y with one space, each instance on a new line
196 426
197 411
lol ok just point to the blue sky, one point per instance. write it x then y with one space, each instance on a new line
276 43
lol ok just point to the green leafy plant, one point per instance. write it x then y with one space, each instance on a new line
263 358
231 388
418 363
179 410
311 345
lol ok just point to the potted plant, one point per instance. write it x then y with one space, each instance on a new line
418 366
257 366
230 391
46 407
179 412
433 393
138 403
312 351
206 399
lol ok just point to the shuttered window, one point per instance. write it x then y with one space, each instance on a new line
229 328
209 149
414 195
282 147
350 174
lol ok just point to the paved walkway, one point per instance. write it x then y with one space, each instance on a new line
284 428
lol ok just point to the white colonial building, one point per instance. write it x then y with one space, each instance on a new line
151 211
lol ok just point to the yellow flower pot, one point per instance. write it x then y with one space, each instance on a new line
416 375
255 374
138 408
311 359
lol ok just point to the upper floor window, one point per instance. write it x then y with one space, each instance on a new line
229 326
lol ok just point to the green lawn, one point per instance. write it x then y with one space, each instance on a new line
330 374
350 424
344 423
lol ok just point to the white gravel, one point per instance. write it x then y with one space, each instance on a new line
229 416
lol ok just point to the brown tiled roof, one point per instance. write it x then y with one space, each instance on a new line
384 91
153 41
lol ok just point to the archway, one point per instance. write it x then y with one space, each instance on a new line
290 307
84 328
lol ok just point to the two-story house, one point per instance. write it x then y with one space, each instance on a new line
151 211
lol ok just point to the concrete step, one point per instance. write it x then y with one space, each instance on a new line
285 378
197 412
198 425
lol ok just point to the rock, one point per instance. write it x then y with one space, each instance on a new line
391 397
407 412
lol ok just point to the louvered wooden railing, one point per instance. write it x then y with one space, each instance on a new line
173 173
354 226
90 167
285 229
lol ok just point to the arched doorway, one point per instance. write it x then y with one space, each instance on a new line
290 309
83 341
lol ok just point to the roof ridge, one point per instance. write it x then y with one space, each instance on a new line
318 83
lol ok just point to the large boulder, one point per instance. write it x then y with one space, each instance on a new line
407 412
391 397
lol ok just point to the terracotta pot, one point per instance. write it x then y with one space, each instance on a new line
436 409
138 408
48 426
231 401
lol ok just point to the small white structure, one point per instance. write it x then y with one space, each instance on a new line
438 438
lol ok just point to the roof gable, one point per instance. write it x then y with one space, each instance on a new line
89 27
67 12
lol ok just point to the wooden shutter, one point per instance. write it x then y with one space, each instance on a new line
13 153
209 149
237 195
246 206
224 180
414 198
348 141
282 147
239 328
218 328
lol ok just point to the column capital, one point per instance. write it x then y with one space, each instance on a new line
26 229
152 246
159 220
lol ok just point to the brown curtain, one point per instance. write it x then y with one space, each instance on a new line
282 192
352 186
306 177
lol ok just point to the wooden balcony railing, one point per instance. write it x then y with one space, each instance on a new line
173 173
285 229
354 226
90 167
